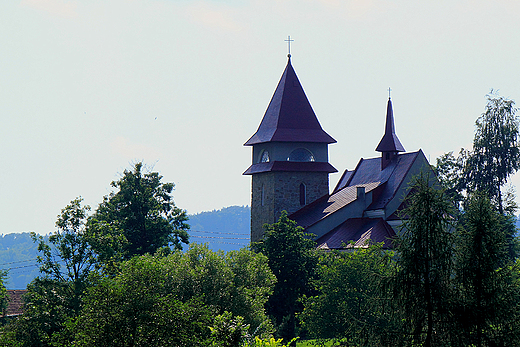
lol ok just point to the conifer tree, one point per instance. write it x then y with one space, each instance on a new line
424 259
487 294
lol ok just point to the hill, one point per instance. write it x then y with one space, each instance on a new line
225 229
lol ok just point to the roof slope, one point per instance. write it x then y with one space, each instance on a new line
289 116
383 183
360 231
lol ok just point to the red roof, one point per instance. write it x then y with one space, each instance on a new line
360 231
289 116
15 302
390 142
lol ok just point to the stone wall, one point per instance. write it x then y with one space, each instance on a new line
273 192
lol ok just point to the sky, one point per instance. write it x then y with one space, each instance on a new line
90 87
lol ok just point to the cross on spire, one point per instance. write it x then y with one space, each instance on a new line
389 90
289 45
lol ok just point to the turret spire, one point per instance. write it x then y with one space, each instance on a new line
389 145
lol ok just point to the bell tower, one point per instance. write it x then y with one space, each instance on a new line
290 164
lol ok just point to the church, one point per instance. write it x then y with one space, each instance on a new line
290 171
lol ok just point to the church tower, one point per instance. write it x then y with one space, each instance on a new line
290 164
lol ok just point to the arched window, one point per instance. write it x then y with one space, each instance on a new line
301 154
303 194
264 156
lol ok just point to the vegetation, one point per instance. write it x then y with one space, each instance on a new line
293 259
494 158
350 305
139 218
119 277
421 281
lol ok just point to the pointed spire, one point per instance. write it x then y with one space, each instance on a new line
390 142
289 116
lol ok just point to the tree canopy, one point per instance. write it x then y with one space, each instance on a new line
494 158
139 217
293 259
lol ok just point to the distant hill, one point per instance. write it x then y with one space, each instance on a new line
18 255
225 229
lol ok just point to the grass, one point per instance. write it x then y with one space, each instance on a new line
312 343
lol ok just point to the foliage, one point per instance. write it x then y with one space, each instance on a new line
268 342
487 293
228 331
449 171
421 280
65 264
496 154
3 291
137 309
142 304
293 260
350 304
139 218
494 158
68 258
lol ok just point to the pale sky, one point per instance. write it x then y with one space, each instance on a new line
88 87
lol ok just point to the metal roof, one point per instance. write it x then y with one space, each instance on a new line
358 233
290 166
384 183
289 116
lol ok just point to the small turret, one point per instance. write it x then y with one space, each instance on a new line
389 146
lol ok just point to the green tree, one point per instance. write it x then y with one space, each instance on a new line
139 218
3 291
293 260
424 258
144 304
495 154
136 308
351 304
488 296
56 296
494 158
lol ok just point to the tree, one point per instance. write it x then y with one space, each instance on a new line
172 300
65 265
487 292
351 304
495 155
139 218
3 291
424 264
494 158
293 260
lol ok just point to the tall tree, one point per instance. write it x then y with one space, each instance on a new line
488 297
140 217
424 259
66 262
494 158
293 260
496 155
